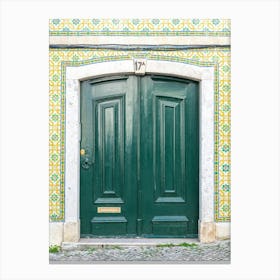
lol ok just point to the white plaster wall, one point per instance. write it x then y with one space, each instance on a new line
137 40
72 138
206 146
55 233
223 231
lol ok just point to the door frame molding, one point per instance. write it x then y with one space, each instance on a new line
203 74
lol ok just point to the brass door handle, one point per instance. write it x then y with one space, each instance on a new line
86 157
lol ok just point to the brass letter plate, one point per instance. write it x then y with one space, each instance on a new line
108 209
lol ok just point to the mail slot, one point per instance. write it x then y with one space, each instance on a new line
108 209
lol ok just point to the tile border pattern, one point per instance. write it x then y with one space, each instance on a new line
140 27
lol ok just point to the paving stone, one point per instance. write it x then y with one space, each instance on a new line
216 252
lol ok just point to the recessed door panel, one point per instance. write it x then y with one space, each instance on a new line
169 152
108 120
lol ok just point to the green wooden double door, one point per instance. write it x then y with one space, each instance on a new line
139 157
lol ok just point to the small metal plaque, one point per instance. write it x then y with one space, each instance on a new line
108 209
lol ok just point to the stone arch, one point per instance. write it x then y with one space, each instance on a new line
205 77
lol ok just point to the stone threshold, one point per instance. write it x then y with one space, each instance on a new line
85 243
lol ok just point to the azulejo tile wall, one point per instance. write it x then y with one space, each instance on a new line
218 57
139 27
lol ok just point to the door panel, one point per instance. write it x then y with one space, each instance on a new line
109 139
139 172
169 157
108 119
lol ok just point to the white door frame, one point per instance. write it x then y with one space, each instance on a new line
205 77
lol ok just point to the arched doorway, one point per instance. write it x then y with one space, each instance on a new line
205 78
139 173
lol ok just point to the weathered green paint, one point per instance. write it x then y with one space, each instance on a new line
140 136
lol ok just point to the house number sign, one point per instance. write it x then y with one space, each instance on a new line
140 66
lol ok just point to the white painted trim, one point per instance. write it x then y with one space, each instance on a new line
72 150
205 76
140 40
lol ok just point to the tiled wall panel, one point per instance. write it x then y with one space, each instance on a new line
211 56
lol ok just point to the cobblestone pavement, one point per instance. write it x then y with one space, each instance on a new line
218 252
